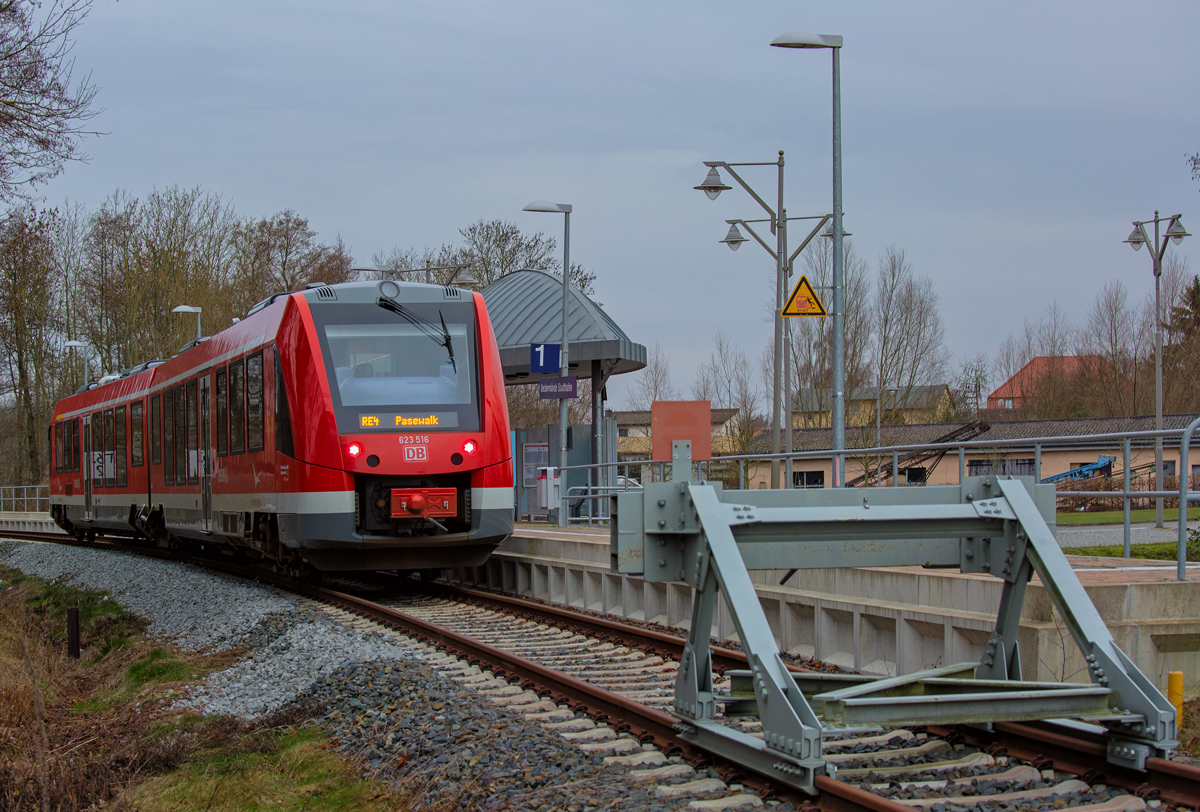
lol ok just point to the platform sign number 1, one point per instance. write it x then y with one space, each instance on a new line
543 358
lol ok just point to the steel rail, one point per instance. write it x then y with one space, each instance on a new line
1069 752
1083 755
615 631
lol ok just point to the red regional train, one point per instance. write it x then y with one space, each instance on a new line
360 426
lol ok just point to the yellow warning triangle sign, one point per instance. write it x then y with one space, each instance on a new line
804 301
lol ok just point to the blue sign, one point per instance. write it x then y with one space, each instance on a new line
543 358
557 388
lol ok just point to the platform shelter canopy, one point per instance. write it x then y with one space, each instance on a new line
526 308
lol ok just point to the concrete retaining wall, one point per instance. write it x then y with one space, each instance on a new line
877 620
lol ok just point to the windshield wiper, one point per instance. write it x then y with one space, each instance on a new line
448 345
428 328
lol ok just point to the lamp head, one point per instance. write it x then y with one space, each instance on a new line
74 345
545 205
713 185
807 39
1137 237
186 309
734 238
828 232
1177 232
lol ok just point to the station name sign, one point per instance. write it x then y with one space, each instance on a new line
557 388
419 420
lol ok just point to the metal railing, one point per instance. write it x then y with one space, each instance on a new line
24 498
704 469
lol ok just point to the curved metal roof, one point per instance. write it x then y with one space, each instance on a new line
526 308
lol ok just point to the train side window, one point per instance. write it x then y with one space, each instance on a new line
137 432
193 436
121 455
58 447
222 414
180 436
75 444
168 437
237 407
255 439
97 460
156 430
110 448
284 442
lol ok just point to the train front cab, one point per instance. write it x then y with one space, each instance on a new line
415 406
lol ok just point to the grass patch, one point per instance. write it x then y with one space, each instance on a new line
282 768
1159 551
157 667
1118 516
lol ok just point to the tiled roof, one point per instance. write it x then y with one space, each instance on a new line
822 439
1027 378
919 397
634 418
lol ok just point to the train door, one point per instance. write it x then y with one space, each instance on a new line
87 467
206 455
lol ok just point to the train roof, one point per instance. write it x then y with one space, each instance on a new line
252 331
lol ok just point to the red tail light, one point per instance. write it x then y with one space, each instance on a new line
470 447
354 449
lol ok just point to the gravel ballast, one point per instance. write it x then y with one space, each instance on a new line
378 695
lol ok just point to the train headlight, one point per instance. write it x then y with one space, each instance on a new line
354 450
470 447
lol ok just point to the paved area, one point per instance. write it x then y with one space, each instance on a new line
1091 535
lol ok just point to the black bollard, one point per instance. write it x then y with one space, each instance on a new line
73 632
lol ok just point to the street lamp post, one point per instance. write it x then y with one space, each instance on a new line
1137 238
565 210
190 309
79 345
805 39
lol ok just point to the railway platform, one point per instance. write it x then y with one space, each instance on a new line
885 621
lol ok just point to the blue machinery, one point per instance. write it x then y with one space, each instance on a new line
1083 471
705 536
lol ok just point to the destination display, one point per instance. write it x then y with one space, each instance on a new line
390 421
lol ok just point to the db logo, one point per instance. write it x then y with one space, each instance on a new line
415 453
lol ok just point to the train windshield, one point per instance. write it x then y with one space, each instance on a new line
401 371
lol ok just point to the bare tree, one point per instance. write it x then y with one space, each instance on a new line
972 385
909 337
653 381
1109 353
490 249
812 338
726 380
45 109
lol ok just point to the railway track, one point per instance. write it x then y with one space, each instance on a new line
608 685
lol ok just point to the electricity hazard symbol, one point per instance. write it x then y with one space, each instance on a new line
803 301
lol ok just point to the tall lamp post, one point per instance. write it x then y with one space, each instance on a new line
1137 238
79 345
805 39
565 210
190 309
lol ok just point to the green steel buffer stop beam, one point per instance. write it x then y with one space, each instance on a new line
709 538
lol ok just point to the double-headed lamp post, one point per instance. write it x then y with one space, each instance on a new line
1137 238
712 186
806 39
565 210
190 309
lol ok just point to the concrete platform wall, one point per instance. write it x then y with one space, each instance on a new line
876 620
28 522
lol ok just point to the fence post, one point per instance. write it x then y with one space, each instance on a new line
895 469
1037 462
1184 484
962 464
1126 498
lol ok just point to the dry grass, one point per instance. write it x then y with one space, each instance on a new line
111 742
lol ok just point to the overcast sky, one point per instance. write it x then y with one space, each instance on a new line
1005 146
